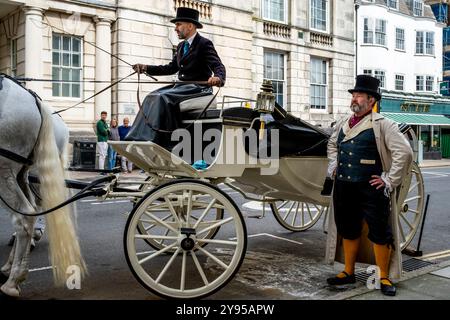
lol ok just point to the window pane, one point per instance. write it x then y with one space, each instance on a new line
55 89
66 59
55 58
76 74
76 90
56 42
55 73
66 90
75 60
75 44
66 43
66 74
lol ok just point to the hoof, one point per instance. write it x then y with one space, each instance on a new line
5 297
12 293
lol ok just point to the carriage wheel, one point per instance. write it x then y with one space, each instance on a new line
190 270
410 205
297 215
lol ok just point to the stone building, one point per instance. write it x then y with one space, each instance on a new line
306 47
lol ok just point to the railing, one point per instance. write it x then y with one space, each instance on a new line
276 29
320 38
204 8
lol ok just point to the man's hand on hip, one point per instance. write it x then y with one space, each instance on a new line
377 182
214 81
140 68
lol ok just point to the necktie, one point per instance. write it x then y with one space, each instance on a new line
185 48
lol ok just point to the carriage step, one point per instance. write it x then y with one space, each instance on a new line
408 266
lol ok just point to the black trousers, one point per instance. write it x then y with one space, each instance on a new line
355 201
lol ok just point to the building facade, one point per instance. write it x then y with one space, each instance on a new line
306 47
400 43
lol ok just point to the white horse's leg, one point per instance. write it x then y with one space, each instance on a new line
24 227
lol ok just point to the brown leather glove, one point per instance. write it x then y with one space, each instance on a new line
140 68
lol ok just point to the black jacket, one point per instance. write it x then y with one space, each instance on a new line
199 64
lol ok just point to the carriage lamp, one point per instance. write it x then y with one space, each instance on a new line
265 103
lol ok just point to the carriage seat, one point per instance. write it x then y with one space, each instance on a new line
197 104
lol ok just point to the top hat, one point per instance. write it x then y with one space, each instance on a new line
187 15
367 84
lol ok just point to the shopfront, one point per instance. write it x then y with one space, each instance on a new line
428 116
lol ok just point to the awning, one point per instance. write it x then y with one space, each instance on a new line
418 119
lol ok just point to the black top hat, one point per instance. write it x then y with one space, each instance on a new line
367 84
187 15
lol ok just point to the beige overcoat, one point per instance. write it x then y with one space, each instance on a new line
396 157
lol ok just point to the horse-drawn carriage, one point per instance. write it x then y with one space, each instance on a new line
185 236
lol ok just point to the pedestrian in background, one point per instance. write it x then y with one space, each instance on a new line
113 136
102 138
127 165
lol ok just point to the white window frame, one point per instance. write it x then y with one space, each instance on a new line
368 71
286 13
389 4
61 66
327 21
425 48
372 31
13 54
432 46
416 8
402 81
400 41
326 85
284 80
422 85
427 78
383 80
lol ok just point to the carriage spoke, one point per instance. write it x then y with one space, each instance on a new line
406 221
217 260
224 242
309 212
157 253
412 198
303 214
172 210
156 237
215 225
289 211
189 207
152 222
205 212
199 268
283 204
165 233
161 222
167 266
183 272
415 185
295 215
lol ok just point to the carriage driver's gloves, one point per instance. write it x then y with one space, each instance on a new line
139 67
387 184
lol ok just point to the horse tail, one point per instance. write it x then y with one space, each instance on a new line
63 241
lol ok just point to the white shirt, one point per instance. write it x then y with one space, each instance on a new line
191 39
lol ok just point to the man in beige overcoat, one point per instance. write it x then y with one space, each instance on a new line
369 157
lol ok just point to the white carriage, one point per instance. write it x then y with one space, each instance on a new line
186 237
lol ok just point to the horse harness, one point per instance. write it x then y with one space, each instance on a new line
9 154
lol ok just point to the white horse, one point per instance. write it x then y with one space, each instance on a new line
30 134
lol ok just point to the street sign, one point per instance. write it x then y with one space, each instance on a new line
444 88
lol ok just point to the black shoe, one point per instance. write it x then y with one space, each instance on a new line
336 281
388 289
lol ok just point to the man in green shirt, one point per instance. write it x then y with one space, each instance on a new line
102 138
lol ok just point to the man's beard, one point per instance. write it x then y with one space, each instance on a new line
356 108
